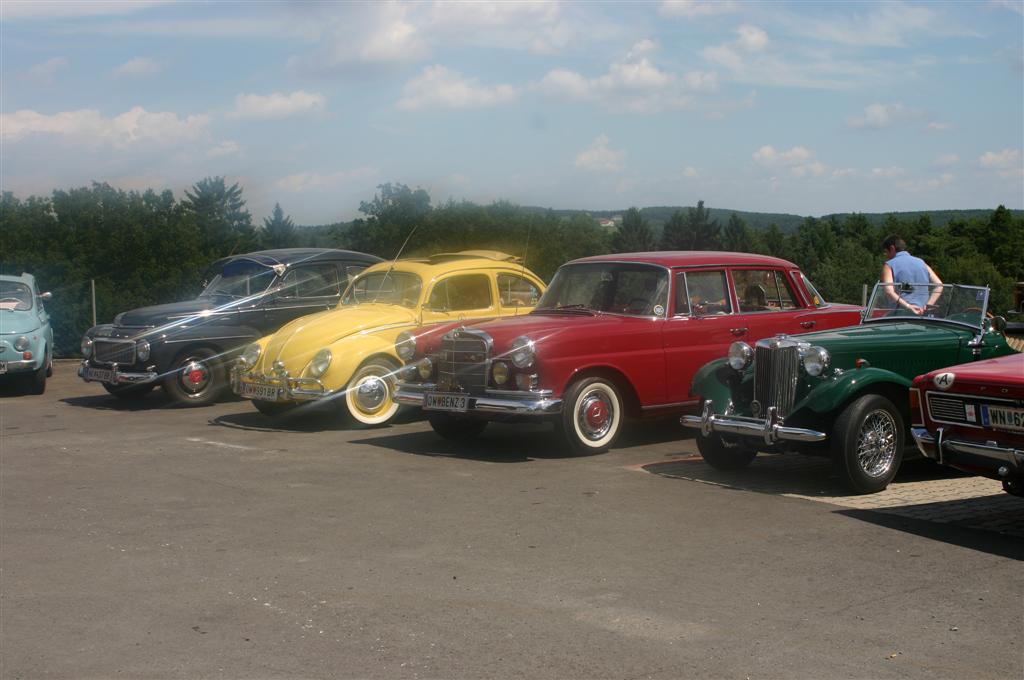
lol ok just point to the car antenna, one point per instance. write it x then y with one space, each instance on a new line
526 251
395 260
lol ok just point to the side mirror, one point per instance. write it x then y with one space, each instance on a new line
46 297
998 324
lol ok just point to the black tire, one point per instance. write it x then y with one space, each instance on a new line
377 405
724 455
456 428
1014 487
35 382
49 366
272 408
592 415
129 392
196 377
867 443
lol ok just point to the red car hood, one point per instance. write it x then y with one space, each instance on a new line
1005 372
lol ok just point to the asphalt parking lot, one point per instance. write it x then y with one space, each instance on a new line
151 541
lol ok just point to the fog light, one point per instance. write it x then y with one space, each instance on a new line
500 372
142 350
527 382
86 347
425 368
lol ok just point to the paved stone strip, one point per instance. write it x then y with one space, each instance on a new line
926 492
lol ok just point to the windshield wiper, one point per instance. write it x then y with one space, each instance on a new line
570 309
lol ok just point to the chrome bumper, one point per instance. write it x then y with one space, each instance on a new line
1002 460
767 429
120 377
510 403
288 389
20 365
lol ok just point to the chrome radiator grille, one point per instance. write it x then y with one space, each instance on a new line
947 409
463 362
114 351
776 369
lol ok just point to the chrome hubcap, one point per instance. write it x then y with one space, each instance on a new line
195 376
595 414
876 443
371 393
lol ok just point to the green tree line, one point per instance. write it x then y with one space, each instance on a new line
147 247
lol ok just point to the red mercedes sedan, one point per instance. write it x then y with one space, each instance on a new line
614 336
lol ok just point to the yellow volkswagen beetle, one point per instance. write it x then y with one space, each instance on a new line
347 354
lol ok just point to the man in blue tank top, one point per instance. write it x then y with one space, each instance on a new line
902 267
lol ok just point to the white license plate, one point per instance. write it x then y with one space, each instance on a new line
434 401
1002 418
101 374
259 391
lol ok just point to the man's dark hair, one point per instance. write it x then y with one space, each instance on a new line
894 241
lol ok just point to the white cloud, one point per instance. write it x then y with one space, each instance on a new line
599 158
843 173
692 9
878 116
1012 5
46 72
946 160
226 148
134 127
34 9
1007 162
893 24
440 88
944 180
888 173
799 161
936 126
752 38
307 181
139 67
634 84
690 172
278 105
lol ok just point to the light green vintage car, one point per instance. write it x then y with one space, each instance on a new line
842 393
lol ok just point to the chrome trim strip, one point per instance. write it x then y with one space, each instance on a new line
121 378
939 448
219 337
536 404
294 389
770 430
20 364
676 404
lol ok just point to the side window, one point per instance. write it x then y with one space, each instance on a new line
351 272
319 280
815 295
708 293
786 298
763 290
515 291
469 291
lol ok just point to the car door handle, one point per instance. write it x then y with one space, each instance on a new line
808 324
737 331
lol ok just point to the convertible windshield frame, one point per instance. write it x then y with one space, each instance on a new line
257 269
549 302
887 304
350 297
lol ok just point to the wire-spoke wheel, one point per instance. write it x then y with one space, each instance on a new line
369 395
867 443
591 415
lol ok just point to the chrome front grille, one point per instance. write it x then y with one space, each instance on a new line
776 370
114 351
463 361
947 409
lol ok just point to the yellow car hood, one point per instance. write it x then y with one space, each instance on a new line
296 343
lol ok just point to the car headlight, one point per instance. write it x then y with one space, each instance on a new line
86 347
251 355
425 367
142 350
740 355
320 363
816 360
523 352
405 345
21 344
500 372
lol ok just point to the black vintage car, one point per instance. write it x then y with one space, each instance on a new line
186 346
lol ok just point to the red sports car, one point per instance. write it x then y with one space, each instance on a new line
613 336
971 417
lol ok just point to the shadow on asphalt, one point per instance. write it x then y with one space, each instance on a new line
310 418
965 537
157 399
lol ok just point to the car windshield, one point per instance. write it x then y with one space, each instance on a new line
15 296
953 303
240 278
384 287
634 289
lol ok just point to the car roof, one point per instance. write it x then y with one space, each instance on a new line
289 256
692 258
25 278
442 263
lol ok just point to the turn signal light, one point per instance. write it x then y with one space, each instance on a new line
26 355
916 413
